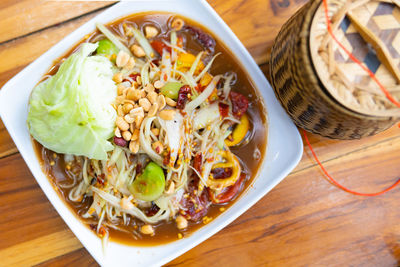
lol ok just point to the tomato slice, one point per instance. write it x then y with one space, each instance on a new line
229 193
159 46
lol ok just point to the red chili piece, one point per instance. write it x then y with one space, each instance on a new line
223 109
180 41
182 96
159 46
139 168
239 104
200 88
153 210
229 193
197 162
204 39
102 231
195 206
90 170
93 226
221 173
101 178
167 158
119 141
155 62
133 76
220 84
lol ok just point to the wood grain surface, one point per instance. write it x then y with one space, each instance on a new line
303 221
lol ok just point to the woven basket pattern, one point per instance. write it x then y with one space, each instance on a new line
300 91
340 75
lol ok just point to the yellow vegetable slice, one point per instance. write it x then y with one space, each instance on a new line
185 61
230 161
205 80
239 132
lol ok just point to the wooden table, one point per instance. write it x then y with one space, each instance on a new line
303 221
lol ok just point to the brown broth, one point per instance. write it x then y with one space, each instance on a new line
53 164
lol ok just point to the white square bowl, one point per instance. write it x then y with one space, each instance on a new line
284 148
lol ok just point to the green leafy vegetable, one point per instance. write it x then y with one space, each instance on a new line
70 112
171 89
106 47
150 184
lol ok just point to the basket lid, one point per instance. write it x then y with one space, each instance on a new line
370 30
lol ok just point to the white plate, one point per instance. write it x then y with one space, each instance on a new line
284 142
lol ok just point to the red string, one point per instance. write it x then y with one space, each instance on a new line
339 185
370 73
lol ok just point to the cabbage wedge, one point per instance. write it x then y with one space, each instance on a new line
71 112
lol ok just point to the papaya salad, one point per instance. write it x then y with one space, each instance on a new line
148 128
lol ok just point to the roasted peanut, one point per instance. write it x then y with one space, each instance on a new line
127 135
153 110
155 131
147 229
161 102
157 147
128 118
152 97
138 121
128 30
134 146
130 64
142 93
117 132
122 124
167 114
149 88
181 222
135 85
145 104
126 203
132 128
122 59
137 51
133 94
158 84
120 89
138 111
150 31
170 102
117 77
139 80
119 100
120 111
127 107
135 135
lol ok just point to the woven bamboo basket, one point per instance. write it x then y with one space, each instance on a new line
323 90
